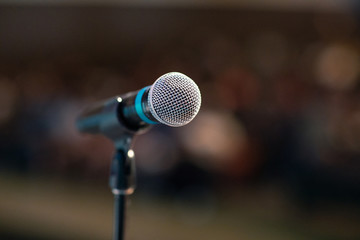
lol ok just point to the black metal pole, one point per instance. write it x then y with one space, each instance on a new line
122 183
119 216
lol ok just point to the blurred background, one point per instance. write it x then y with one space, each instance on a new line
273 154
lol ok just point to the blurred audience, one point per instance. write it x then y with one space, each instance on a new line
275 108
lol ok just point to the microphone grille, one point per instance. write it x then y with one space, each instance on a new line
174 99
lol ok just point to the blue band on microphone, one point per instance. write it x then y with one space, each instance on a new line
139 109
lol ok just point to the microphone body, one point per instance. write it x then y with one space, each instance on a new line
174 100
114 113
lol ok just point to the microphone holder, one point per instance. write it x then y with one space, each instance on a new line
121 182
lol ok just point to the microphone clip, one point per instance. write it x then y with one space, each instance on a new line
122 180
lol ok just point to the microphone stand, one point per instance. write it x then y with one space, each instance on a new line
121 182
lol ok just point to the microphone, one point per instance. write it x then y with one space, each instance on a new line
174 100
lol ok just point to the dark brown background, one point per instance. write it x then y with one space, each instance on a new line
273 153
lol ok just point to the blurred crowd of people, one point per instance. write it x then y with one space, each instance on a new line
276 107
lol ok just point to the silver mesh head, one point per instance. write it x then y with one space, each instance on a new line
174 99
